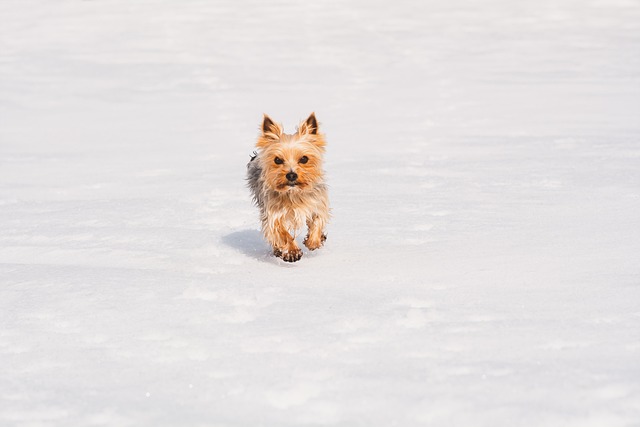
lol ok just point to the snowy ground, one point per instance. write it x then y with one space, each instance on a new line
482 266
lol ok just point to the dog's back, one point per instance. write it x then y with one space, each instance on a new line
254 178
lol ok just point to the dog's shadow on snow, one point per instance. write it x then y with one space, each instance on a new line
250 243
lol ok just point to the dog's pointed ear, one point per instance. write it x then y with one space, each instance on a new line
267 124
270 128
269 132
309 126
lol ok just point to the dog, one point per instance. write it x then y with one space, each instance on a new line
287 183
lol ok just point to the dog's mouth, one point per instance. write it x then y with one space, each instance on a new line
289 185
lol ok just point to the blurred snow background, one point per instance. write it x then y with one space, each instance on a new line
482 264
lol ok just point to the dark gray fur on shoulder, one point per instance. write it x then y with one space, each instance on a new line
254 180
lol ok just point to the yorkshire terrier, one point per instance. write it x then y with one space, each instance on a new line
287 184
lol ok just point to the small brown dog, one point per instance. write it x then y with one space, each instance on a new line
287 183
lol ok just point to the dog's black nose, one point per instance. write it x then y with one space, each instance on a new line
292 176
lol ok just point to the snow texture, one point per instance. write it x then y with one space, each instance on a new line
482 265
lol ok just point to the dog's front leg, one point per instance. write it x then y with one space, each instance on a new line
316 237
283 244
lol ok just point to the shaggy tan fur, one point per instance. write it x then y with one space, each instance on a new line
287 204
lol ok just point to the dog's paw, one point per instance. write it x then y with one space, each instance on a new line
314 244
291 255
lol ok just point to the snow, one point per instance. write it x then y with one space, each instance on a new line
481 266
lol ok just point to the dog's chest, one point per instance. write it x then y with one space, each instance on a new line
295 211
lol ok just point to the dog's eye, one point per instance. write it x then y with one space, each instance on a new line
278 161
303 159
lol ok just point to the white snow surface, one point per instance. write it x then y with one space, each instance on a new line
482 266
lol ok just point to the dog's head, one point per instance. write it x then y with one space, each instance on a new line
291 162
